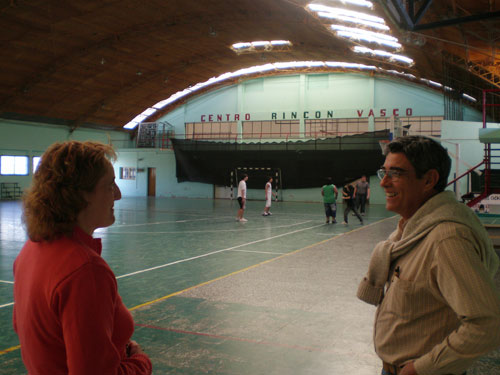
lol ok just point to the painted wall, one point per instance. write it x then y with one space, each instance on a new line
347 95
166 182
23 138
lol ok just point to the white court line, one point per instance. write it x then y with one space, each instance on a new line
6 282
235 247
168 222
203 255
258 252
216 252
209 231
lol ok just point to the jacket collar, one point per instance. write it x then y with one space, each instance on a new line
87 240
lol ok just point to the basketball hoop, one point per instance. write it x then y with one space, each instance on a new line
383 143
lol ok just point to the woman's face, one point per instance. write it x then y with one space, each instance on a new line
100 213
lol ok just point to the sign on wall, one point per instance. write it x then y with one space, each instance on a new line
314 114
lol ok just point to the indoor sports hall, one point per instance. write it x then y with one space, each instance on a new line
209 295
195 96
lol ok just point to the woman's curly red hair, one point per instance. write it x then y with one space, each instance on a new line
66 171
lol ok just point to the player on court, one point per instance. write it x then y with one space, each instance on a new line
242 197
269 196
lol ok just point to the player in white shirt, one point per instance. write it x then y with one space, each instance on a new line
269 195
242 197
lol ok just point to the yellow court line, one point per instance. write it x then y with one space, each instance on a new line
250 267
2 352
5 351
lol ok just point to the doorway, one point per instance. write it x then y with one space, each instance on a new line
151 182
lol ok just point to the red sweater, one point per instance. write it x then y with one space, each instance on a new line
68 314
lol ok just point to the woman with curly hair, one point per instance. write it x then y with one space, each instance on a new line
68 314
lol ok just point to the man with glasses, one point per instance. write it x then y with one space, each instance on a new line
432 279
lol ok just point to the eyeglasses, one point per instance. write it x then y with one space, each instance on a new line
393 174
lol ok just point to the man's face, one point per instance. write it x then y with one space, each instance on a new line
406 193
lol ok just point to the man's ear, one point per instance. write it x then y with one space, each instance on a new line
431 178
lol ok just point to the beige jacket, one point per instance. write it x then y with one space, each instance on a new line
442 310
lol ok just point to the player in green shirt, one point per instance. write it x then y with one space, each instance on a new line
329 193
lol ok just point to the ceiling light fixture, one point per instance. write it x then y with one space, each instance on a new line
367 36
345 12
402 74
262 46
431 83
380 53
354 20
361 3
465 96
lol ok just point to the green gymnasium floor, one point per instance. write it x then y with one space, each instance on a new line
210 295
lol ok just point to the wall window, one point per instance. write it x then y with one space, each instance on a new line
13 165
36 161
127 173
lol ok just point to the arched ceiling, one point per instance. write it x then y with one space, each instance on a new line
101 63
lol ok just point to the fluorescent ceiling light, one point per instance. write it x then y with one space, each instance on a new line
345 12
368 36
280 42
259 46
131 125
241 45
364 32
149 111
385 54
431 83
139 118
261 43
337 64
298 64
354 20
361 3
407 75
469 98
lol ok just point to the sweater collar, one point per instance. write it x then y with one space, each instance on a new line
439 208
82 237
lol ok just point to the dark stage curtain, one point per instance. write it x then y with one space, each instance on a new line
303 164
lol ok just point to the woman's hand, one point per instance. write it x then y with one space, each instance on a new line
133 348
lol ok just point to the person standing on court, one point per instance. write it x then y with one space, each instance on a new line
269 195
242 198
347 193
329 192
68 314
432 279
361 194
